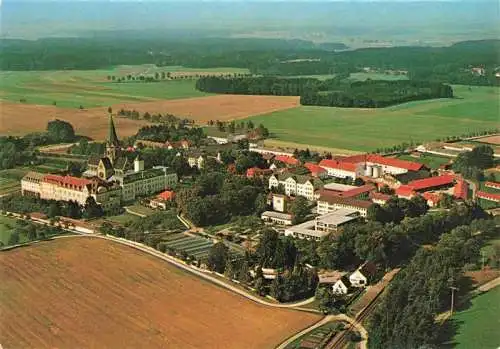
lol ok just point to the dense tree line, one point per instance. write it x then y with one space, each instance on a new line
217 196
406 316
293 280
450 64
21 150
51 208
332 92
377 94
388 244
472 163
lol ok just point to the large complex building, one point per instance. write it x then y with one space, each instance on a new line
296 185
109 179
369 165
323 225
131 175
68 188
328 203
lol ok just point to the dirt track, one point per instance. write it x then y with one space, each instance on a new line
55 295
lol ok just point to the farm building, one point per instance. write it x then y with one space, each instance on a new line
341 169
488 196
328 203
288 160
258 172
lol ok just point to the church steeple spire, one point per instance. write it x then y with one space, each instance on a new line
113 150
112 137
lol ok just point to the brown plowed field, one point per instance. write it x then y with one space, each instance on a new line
19 119
219 107
489 139
92 293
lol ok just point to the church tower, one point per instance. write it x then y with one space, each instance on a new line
113 150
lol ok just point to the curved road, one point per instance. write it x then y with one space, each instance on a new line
198 272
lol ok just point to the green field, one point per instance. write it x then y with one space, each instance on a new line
430 160
478 325
7 226
91 88
368 129
376 76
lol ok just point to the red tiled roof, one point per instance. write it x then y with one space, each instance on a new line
431 182
315 169
379 196
461 190
488 196
335 199
495 185
433 197
405 191
287 159
380 160
255 171
341 165
66 180
166 195
356 191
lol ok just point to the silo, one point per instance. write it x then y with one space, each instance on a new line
369 170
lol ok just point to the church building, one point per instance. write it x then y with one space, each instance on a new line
135 181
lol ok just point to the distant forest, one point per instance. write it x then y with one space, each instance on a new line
267 57
333 92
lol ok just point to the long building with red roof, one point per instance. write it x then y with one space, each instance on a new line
289 160
488 196
431 183
69 188
371 165
341 168
494 185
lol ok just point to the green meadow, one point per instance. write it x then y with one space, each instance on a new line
478 325
72 88
368 129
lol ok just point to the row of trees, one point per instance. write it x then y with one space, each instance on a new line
169 119
406 316
172 133
24 230
51 208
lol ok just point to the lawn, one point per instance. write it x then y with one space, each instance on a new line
140 210
123 218
7 226
376 76
8 185
430 160
478 325
72 88
369 129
